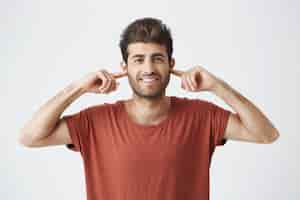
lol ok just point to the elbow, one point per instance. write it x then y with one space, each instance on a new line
23 140
272 138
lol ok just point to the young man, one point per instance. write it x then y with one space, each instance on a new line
151 146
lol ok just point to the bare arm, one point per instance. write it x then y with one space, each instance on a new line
46 128
249 124
44 121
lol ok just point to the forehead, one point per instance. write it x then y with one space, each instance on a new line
146 49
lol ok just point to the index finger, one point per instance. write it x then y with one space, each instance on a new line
176 72
119 74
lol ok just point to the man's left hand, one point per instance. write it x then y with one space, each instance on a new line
196 79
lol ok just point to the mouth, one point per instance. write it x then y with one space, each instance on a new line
149 80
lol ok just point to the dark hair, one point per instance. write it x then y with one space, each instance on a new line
146 30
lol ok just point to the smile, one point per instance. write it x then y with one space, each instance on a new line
149 80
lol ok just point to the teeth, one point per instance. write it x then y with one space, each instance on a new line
149 80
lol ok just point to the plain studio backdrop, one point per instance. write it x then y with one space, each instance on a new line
252 45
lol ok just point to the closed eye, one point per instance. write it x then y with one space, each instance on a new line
159 59
138 60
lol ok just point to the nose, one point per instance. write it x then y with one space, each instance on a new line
148 69
148 66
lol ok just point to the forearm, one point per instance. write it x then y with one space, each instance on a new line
47 116
251 117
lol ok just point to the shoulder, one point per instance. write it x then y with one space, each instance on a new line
102 108
193 104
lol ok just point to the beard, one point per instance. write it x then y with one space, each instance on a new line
157 91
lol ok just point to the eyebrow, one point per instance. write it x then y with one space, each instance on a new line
153 55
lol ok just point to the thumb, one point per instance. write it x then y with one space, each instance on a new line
177 72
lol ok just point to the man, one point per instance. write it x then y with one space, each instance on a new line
151 146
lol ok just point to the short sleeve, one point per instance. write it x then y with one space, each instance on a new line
218 123
79 130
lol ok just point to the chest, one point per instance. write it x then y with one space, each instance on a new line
154 159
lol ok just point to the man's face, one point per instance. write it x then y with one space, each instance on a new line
148 69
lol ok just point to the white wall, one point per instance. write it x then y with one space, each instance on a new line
252 45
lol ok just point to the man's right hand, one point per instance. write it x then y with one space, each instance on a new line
101 81
46 128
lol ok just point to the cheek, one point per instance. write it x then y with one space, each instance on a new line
132 75
166 72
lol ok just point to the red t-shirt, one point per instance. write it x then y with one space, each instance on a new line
126 160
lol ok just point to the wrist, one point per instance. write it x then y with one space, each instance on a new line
75 88
217 85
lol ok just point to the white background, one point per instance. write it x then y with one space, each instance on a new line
252 45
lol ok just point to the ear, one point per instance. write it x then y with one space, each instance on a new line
172 63
123 66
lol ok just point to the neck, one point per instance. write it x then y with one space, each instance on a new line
148 111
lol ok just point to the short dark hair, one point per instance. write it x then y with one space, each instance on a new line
146 30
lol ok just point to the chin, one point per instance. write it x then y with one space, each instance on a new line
150 95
